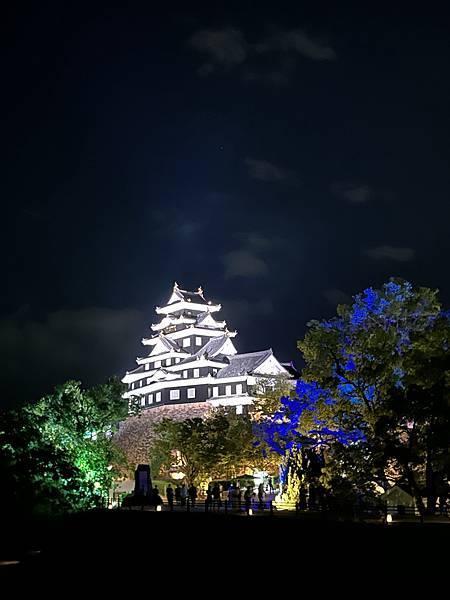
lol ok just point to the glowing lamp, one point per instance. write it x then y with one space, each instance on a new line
250 512
158 508
389 519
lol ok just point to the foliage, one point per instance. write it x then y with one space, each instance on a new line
217 446
377 378
268 394
57 455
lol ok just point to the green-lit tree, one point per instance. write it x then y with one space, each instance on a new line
57 454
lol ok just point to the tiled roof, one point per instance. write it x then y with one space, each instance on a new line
193 296
170 344
210 349
139 369
243 364
201 317
290 368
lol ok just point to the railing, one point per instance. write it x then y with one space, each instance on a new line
256 507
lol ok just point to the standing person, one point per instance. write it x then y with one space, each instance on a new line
231 491
183 494
209 497
261 495
248 498
170 495
239 495
216 493
157 498
192 491
178 494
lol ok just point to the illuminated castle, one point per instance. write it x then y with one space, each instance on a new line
193 359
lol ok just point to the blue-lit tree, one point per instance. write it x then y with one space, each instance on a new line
376 383
302 431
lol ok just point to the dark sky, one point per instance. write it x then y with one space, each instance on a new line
283 158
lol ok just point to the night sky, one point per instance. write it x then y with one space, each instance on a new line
283 158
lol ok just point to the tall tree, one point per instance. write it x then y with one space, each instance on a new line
377 375
219 446
57 454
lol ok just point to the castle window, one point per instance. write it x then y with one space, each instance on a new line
174 394
196 372
239 390
185 374
191 393
198 341
215 392
177 360
228 390
186 342
147 366
148 380
168 362
143 401
157 364
239 410
150 399
158 396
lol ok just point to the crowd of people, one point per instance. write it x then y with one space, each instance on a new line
215 496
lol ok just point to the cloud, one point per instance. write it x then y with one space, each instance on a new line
302 43
244 263
226 47
336 296
255 241
177 223
354 193
187 229
281 75
206 69
263 170
255 252
391 253
271 60
89 344
245 309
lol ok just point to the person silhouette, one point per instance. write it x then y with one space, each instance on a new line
170 496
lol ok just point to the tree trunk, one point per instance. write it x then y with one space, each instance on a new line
415 489
430 481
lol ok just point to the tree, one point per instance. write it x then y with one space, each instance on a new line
377 377
57 455
219 446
